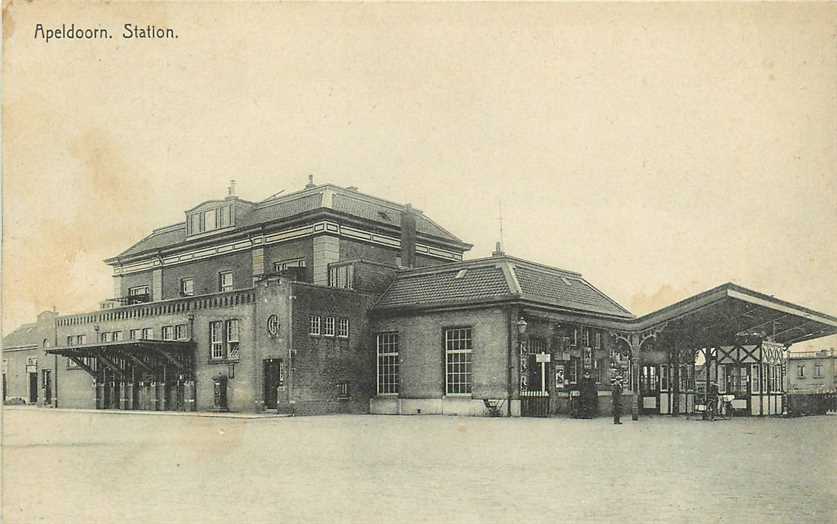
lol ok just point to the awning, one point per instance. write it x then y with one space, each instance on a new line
126 358
729 311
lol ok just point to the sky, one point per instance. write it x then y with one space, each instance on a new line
660 150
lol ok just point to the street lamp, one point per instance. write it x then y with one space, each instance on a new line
521 326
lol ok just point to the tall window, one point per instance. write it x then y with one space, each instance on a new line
180 332
81 339
147 333
106 336
168 332
800 370
597 342
458 348
232 339
117 336
818 370
71 340
343 327
328 327
187 287
586 339
195 223
756 378
209 220
387 348
225 219
341 276
135 334
216 340
572 370
314 325
225 281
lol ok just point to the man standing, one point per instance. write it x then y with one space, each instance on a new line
616 392
588 395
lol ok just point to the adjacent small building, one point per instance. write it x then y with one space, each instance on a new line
812 372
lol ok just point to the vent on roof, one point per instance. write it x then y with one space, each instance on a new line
461 273
384 216
566 281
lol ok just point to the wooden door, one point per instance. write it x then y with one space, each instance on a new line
272 380
33 388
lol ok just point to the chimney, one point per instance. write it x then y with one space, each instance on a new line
408 237
231 189
498 251
310 183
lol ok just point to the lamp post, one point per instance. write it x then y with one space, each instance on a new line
521 330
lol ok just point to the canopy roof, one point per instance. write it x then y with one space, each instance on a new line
729 311
122 356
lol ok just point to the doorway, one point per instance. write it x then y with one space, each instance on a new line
47 383
273 380
649 388
33 387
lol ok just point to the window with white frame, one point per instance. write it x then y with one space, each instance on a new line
137 291
225 281
314 325
71 340
116 336
209 221
233 349
187 287
597 342
458 348
343 327
283 265
180 332
135 334
147 333
167 332
225 216
106 336
756 378
800 370
81 339
586 339
194 223
328 327
341 276
387 349
216 340
818 370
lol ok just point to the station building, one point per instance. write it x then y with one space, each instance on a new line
328 300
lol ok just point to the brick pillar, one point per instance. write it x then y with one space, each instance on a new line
161 396
124 402
100 395
155 400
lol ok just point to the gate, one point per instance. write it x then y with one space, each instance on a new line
534 403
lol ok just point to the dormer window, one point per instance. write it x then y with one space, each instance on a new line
207 220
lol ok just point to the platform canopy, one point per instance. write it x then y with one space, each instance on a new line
123 358
730 312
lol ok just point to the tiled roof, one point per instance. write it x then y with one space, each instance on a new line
444 287
387 214
568 290
497 277
343 200
159 239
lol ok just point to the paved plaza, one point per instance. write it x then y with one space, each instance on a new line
66 467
